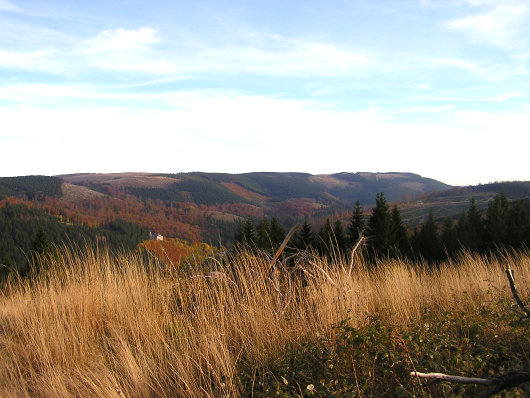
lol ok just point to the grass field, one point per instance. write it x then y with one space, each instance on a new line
95 325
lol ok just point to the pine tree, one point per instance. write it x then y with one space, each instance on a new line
340 238
449 236
518 226
305 238
249 233
325 236
357 225
380 227
40 244
399 233
277 233
475 227
429 240
263 232
496 223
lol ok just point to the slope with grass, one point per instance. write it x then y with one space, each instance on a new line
96 325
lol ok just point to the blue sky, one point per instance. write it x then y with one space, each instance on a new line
436 87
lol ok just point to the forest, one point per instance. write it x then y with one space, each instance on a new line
504 224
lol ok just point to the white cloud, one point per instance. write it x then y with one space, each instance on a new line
14 59
122 40
506 25
216 131
6 5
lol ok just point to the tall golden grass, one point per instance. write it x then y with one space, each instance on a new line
98 325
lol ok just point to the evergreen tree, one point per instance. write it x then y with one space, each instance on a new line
305 238
429 240
277 233
496 223
325 236
40 244
239 236
340 238
380 227
399 233
449 236
357 225
518 226
249 233
475 227
263 232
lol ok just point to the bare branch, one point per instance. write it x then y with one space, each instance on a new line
511 280
453 379
282 247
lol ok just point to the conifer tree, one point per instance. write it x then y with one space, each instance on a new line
339 237
277 233
518 226
40 244
325 238
429 240
305 238
380 227
263 235
357 225
449 236
399 233
496 223
249 233
475 227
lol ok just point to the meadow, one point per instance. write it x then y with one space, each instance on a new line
94 324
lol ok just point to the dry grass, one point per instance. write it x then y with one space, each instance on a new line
94 325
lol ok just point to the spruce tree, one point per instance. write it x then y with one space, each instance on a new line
40 244
518 226
475 227
306 237
357 225
249 233
380 227
496 223
399 234
263 235
449 236
325 236
340 238
277 233
429 240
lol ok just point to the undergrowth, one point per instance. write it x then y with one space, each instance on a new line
93 325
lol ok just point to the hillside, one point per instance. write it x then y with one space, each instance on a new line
341 189
452 202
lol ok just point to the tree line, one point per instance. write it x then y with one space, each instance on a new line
504 224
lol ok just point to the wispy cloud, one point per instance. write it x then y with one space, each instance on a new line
122 40
506 25
6 5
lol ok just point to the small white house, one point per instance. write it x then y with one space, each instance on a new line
155 236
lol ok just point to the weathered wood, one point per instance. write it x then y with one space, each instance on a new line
511 280
453 379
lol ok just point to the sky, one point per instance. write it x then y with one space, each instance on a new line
439 88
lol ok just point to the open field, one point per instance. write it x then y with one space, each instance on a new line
93 325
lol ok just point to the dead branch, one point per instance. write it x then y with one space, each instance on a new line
450 378
282 247
511 280
499 383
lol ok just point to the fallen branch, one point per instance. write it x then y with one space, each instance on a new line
453 379
500 383
511 280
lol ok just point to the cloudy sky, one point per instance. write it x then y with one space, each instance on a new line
436 87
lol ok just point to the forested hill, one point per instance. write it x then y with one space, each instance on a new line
341 189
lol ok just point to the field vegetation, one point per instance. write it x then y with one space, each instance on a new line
88 323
